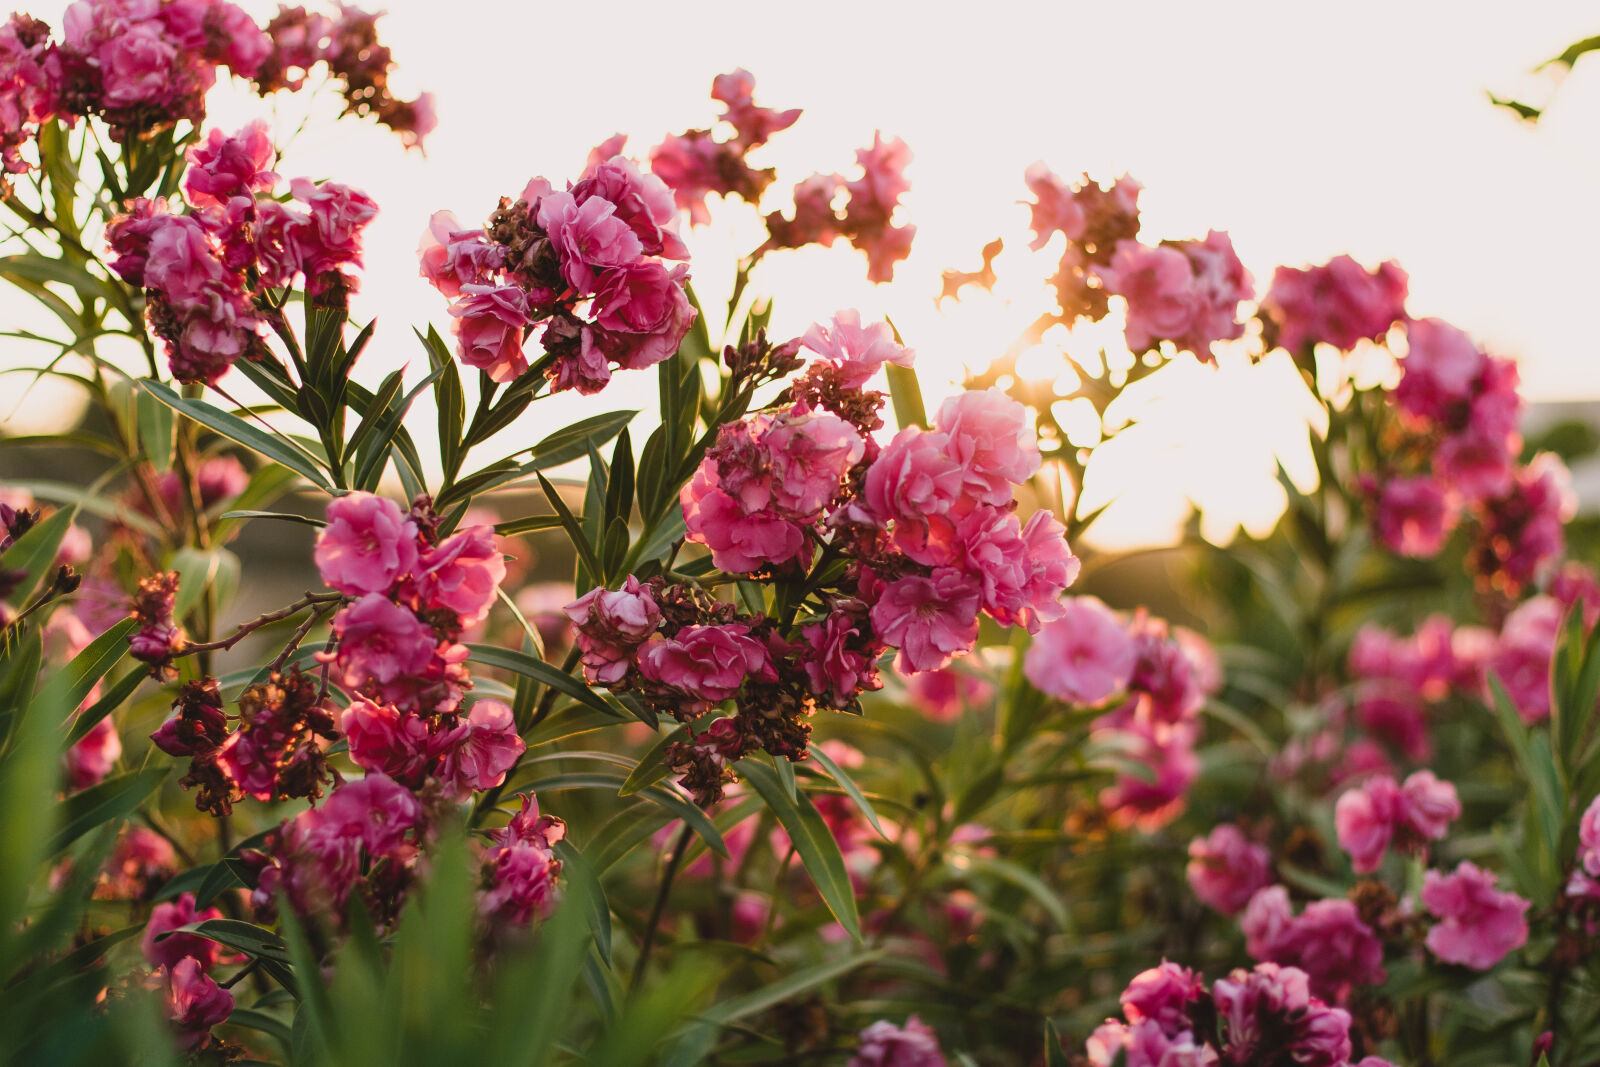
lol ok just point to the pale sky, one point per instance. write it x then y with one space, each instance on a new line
1303 130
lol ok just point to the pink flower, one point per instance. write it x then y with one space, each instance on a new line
140 863
389 741
336 216
224 166
1478 924
1220 283
810 453
1574 584
840 659
489 324
753 124
1226 868
1439 370
451 257
931 620
195 1004
1428 805
1365 818
137 67
381 641
92 758
486 750
611 625
639 199
856 351
1167 751
1413 516
461 574
1521 658
1162 995
706 662
1267 917
989 437
884 1044
1476 463
919 485
1589 838
740 542
1054 207
374 810
1158 285
173 948
1084 656
645 311
1269 1013
1022 572
1330 943
868 216
1338 303
586 236
521 866
367 546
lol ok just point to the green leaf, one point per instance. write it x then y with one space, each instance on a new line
1028 882
285 516
111 701
577 869
669 801
388 430
69 686
155 431
271 445
574 441
1054 1054
229 871
260 1020
849 786
651 769
113 798
540 671
812 840
254 941
585 549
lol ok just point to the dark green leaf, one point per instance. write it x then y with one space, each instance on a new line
273 446
113 798
812 841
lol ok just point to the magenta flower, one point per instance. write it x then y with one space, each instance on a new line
1478 924
1521 656
1158 285
374 810
1162 995
225 166
1084 656
1440 369
487 748
645 312
1365 818
930 620
884 1044
1269 1012
173 948
754 125
89 760
706 662
336 216
195 1004
381 641
840 659
810 453
489 324
638 198
990 438
853 350
1226 868
386 740
587 237
450 256
1339 303
918 484
1413 516
611 625
461 574
368 545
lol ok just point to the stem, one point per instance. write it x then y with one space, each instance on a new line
244 629
246 969
678 849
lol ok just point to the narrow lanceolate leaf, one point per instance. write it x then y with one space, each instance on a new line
652 765
235 429
113 699
69 686
252 940
574 441
812 840
837 773
585 548
540 671
113 798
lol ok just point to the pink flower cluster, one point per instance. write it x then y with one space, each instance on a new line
1338 303
696 165
1479 925
363 839
1226 868
1186 292
883 1044
583 267
1265 1016
766 484
204 271
397 648
1585 880
195 1003
520 867
1460 409
1328 941
144 65
1379 813
1089 655
1095 221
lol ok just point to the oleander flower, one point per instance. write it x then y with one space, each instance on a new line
368 545
1226 868
710 663
1478 924
930 620
1084 656
611 625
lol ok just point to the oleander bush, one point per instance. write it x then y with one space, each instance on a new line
766 726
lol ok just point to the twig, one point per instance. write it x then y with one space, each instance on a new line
678 849
244 629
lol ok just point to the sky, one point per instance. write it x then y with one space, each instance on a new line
1302 130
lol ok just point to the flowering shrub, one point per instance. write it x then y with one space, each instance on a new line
817 752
